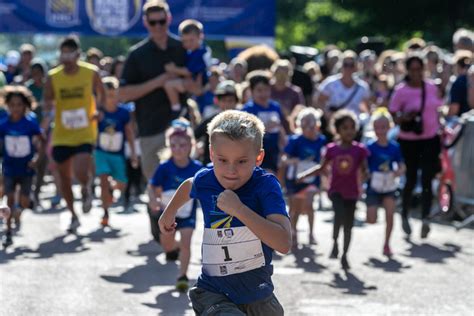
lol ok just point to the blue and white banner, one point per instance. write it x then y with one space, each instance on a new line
221 18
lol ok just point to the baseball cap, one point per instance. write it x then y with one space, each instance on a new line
226 87
12 58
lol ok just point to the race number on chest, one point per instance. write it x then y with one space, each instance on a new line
17 146
228 251
74 119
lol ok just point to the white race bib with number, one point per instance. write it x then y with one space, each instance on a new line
304 165
17 146
384 182
111 142
74 119
228 251
185 210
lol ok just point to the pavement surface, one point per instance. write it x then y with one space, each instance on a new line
120 271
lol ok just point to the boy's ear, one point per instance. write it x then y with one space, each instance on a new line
211 153
260 157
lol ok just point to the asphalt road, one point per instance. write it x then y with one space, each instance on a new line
120 271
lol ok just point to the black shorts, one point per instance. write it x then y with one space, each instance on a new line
63 153
24 182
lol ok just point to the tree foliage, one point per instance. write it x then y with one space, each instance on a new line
344 22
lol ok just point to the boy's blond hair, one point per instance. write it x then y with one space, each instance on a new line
381 114
316 114
110 83
190 26
237 125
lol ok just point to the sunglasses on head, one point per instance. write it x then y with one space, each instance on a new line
155 22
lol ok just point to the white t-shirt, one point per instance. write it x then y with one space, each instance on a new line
338 93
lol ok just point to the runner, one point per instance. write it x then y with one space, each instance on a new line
168 177
245 219
69 100
114 128
347 159
20 135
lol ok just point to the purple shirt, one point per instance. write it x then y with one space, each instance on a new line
345 168
408 99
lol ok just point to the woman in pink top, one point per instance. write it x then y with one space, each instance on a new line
417 100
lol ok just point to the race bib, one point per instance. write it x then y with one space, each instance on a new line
384 182
185 211
17 146
304 165
230 251
111 142
74 119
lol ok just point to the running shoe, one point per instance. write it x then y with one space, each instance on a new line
105 221
182 284
7 239
334 252
74 224
86 200
55 200
425 229
344 263
406 226
387 251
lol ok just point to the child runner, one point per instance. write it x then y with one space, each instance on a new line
20 134
114 126
269 112
347 159
245 219
385 166
166 180
198 59
303 152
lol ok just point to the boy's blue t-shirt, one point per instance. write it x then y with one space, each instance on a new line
268 115
18 147
198 61
111 136
262 194
306 149
382 158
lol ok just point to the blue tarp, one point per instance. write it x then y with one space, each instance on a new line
221 18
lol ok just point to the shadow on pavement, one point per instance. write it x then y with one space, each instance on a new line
390 265
350 284
103 233
143 277
172 302
64 244
12 252
431 253
305 258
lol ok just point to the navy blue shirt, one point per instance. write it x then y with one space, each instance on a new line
458 94
383 158
18 149
263 195
111 137
270 116
198 61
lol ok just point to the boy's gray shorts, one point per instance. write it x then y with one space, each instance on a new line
208 303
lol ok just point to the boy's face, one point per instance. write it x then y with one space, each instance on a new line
261 93
180 147
111 95
234 160
191 41
309 127
226 102
16 107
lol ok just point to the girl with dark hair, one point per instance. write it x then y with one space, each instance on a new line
414 105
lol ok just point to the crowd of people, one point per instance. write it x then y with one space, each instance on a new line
237 137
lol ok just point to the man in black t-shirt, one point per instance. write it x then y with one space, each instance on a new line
142 81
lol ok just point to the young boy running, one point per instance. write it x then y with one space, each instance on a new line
114 126
245 219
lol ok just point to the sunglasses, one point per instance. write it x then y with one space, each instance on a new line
155 22
348 65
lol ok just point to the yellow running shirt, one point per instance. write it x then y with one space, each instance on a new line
74 106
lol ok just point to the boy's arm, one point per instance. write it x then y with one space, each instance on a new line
154 193
48 106
314 171
131 142
179 71
274 231
167 219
